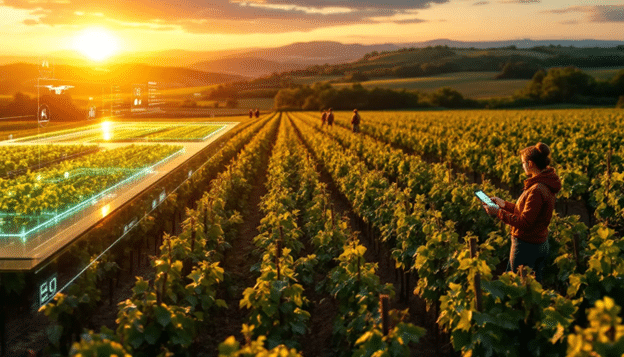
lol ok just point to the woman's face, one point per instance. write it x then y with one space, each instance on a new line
527 166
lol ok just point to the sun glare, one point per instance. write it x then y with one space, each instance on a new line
97 44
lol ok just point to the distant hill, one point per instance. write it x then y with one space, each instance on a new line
523 43
248 66
410 62
261 62
320 52
23 76
301 54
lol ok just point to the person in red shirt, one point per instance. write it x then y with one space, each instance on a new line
355 121
323 118
530 216
330 117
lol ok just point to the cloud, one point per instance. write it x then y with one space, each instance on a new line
409 21
521 1
219 16
596 13
480 3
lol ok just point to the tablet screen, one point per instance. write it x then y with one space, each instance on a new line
484 198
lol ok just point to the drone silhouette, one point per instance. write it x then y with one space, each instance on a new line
57 90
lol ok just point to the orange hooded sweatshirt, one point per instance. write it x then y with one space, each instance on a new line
530 216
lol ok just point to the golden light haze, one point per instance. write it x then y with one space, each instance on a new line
43 27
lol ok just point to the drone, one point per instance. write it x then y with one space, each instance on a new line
57 90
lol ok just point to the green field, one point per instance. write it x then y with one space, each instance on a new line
603 74
313 79
470 84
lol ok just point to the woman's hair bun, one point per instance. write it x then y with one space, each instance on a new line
543 149
539 154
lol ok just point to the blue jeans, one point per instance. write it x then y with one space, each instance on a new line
528 254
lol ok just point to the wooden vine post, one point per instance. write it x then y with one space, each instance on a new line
192 234
384 301
278 251
609 153
477 278
575 243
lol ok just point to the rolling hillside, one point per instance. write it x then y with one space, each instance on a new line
23 77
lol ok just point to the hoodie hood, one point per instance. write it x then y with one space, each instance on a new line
547 177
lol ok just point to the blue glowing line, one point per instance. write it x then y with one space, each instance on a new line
52 221
91 171
129 230
213 133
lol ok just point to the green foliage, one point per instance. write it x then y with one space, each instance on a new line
319 97
603 337
518 70
563 233
104 343
356 77
231 348
517 315
202 290
231 103
605 268
148 327
277 304
394 344
559 85
356 286
433 261
68 183
609 202
447 97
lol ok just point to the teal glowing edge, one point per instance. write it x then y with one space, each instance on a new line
90 201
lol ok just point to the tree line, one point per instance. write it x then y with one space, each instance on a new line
557 85
61 106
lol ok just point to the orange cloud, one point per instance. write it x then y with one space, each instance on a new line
596 13
218 16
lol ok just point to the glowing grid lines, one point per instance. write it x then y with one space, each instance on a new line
56 218
110 131
47 232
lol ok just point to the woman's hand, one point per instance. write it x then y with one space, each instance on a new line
491 210
499 201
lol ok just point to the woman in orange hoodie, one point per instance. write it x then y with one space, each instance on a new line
530 216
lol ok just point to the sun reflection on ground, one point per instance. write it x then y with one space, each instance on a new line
106 131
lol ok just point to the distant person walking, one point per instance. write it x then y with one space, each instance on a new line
257 113
530 216
330 117
355 121
323 118
251 113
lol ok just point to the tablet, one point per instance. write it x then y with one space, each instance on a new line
485 198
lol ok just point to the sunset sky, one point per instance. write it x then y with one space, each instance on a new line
38 27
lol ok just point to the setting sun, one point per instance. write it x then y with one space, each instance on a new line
97 44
